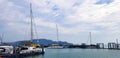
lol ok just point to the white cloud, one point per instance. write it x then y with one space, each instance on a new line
95 15
1 1
10 11
88 13
81 16
91 12
41 22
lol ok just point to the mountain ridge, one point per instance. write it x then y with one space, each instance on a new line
44 42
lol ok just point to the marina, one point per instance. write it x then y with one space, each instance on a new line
59 29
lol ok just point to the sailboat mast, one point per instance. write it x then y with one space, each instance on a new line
117 43
90 39
31 27
57 34
1 37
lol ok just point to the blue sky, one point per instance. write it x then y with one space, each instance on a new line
75 19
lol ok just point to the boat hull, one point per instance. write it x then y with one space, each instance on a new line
22 55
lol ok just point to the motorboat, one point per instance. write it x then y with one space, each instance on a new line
6 50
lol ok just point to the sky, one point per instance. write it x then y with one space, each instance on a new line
74 18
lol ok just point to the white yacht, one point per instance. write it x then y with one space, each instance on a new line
30 50
6 50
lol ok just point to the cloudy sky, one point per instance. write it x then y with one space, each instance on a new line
75 19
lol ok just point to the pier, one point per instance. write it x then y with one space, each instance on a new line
110 45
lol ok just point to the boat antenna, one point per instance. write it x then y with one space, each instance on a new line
31 17
57 33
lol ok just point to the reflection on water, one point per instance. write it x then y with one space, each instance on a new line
36 56
77 53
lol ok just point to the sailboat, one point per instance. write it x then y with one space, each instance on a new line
31 48
91 46
56 46
24 49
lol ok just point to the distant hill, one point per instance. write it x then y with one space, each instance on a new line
47 42
44 42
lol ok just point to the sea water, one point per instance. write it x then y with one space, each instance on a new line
78 53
